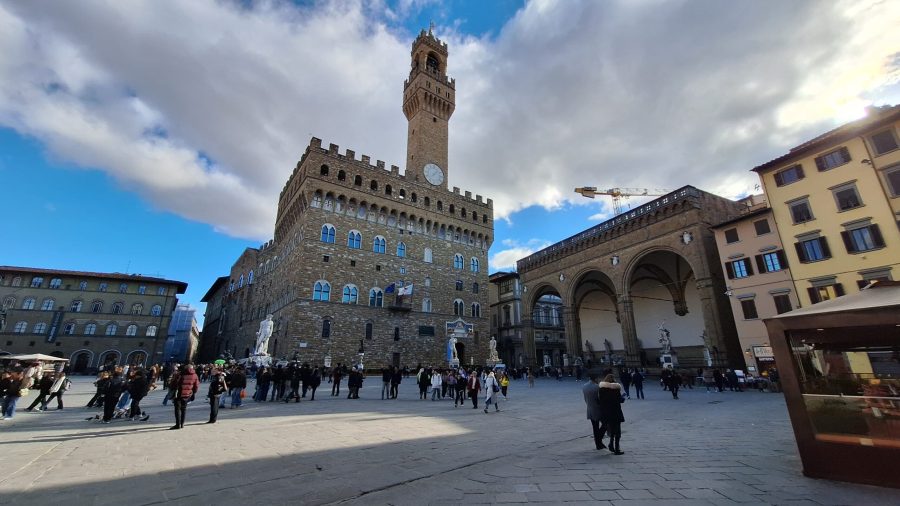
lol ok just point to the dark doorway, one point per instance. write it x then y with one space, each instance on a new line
461 353
82 360
396 360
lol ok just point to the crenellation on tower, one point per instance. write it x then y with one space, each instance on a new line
350 154
333 148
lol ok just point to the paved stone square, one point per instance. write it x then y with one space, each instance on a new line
704 449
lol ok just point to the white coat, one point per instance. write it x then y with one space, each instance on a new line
489 394
436 381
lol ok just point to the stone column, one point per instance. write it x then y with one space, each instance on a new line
573 333
712 322
528 342
629 332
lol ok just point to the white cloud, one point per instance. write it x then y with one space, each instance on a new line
203 107
505 259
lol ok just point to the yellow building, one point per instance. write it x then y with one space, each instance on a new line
836 201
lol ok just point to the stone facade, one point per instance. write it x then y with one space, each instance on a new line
349 235
90 318
620 281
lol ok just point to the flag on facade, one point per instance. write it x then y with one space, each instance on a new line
406 290
390 288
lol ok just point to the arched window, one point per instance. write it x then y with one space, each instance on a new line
426 305
342 176
459 307
316 200
28 303
369 330
476 310
137 309
151 331
402 193
458 261
401 249
241 282
357 181
473 264
475 287
118 307
328 233
354 239
427 202
321 291
55 283
17 281
374 185
90 329
326 328
413 197
47 305
250 278
156 310
351 294
9 302
440 205
69 329
388 190
103 287
452 209
123 287
131 330
40 328
142 289
428 256
111 329
36 282
82 286
378 244
376 297
323 170
459 285
21 327
96 306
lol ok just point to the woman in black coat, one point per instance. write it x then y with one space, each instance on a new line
611 411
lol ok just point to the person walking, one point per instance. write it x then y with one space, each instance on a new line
113 391
423 379
185 384
459 398
315 379
491 392
718 379
637 379
336 376
100 384
386 376
611 399
238 382
674 384
625 378
44 387
294 372
474 388
138 387
60 385
217 387
436 381
591 392
396 379
11 386
530 378
504 385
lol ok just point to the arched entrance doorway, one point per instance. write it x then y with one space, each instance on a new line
597 320
461 353
137 358
109 359
549 327
80 361
663 291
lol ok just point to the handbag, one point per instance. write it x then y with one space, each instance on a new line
495 388
243 393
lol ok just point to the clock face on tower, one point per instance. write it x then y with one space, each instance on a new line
434 174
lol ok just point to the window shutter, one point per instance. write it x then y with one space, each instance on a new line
876 236
826 251
813 295
782 259
749 265
820 163
760 263
839 289
845 235
845 154
801 253
729 269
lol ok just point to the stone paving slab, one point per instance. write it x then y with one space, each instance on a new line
538 449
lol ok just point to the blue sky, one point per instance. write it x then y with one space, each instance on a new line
561 93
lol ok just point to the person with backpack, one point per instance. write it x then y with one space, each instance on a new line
217 387
491 392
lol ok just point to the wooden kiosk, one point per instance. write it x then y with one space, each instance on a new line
839 366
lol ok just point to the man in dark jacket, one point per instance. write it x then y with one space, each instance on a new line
591 393
637 379
138 388
625 378
611 400
113 391
386 383
184 384
336 376
304 377
45 385
237 381
396 379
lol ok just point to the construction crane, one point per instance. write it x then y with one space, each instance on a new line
618 193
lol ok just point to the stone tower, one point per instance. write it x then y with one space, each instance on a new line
429 98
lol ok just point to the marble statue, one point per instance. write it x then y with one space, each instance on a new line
262 336
664 339
493 344
454 354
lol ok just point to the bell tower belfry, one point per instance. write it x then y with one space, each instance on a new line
429 98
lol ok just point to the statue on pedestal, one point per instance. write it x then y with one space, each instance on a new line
454 354
262 338
493 355
664 340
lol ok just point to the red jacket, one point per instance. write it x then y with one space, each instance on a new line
186 384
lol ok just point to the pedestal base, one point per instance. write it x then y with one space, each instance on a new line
454 363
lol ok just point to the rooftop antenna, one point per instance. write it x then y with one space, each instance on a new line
430 27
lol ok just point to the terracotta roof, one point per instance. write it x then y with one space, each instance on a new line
876 118
182 286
